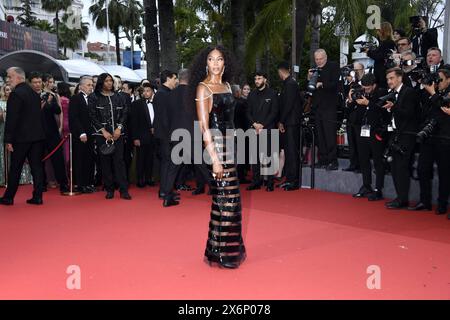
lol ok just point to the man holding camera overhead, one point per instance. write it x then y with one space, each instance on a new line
433 145
324 106
404 125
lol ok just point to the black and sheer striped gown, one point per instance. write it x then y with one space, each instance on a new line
225 245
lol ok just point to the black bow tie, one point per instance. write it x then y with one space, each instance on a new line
148 101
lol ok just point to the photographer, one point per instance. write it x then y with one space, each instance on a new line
408 66
324 106
422 38
353 80
371 121
379 55
403 122
432 149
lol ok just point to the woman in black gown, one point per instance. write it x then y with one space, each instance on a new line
210 74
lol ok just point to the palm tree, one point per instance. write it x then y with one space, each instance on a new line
167 35
238 31
116 19
69 37
44 25
27 17
133 17
56 6
151 38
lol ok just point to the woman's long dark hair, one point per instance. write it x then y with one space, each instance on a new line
64 89
198 70
101 81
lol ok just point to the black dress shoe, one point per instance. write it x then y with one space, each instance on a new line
125 196
282 185
396 205
141 185
109 195
183 187
441 209
420 207
64 188
377 195
254 186
170 202
270 187
175 195
244 181
87 190
363 192
198 191
35 201
228 265
333 166
291 187
151 183
6 201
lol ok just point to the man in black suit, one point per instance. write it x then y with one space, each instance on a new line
404 123
83 142
142 119
422 38
290 103
262 113
24 137
181 116
324 106
169 82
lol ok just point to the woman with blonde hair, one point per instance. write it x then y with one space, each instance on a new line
387 46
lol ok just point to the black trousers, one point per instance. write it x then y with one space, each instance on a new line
353 133
400 167
443 162
34 152
144 162
371 148
256 168
164 150
431 153
326 132
83 162
57 159
127 154
176 173
113 167
292 153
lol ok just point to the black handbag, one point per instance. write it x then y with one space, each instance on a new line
108 148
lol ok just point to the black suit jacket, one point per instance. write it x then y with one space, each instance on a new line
290 102
326 99
429 40
23 116
263 107
141 122
406 111
180 114
160 104
79 120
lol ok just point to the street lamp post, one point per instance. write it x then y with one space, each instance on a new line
107 33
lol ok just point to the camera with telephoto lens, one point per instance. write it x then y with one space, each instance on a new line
416 24
348 71
366 45
44 96
390 62
393 147
427 131
446 102
430 78
358 92
312 83
390 97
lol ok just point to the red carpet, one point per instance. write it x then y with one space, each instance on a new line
300 245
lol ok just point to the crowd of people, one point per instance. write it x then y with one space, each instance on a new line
122 132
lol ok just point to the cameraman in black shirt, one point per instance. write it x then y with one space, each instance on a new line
434 125
371 122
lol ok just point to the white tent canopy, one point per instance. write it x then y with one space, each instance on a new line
126 74
78 68
142 73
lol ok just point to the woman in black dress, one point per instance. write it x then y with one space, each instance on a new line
215 105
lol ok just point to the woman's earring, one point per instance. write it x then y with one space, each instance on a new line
223 71
207 70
